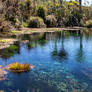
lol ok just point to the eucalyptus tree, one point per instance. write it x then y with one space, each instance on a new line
61 1
54 1
80 2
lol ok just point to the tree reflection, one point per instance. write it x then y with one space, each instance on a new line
61 53
80 53
31 44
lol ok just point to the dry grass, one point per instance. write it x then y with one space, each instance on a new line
18 67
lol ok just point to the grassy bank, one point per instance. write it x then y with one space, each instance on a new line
14 35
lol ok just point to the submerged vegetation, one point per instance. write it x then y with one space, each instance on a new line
10 51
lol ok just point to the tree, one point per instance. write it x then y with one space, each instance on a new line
80 2
61 1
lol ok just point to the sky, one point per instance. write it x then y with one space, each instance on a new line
87 2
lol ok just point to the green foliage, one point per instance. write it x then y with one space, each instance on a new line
74 20
31 45
16 13
36 22
50 21
10 51
89 23
13 47
42 12
62 16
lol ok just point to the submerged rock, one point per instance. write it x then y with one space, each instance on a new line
2 74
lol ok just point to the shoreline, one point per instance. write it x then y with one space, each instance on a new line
5 42
37 30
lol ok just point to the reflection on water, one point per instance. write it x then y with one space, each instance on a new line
63 62
61 53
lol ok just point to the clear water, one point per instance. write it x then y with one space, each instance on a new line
63 63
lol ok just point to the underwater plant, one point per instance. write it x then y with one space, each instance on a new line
10 51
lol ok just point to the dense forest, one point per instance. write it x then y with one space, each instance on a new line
43 13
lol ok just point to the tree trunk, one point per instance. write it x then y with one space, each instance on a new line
80 2
61 1
54 2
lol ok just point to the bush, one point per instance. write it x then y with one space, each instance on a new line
82 23
36 22
75 18
4 26
89 23
41 12
50 21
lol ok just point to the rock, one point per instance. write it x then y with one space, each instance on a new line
2 74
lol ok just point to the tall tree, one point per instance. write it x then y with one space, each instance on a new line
61 1
54 1
80 2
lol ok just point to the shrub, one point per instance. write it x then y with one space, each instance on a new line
18 67
50 21
41 12
36 22
62 15
82 23
5 26
89 23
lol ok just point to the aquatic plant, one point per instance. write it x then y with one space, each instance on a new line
18 67
10 51
31 45
43 41
13 47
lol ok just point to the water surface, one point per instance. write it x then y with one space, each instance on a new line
63 63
